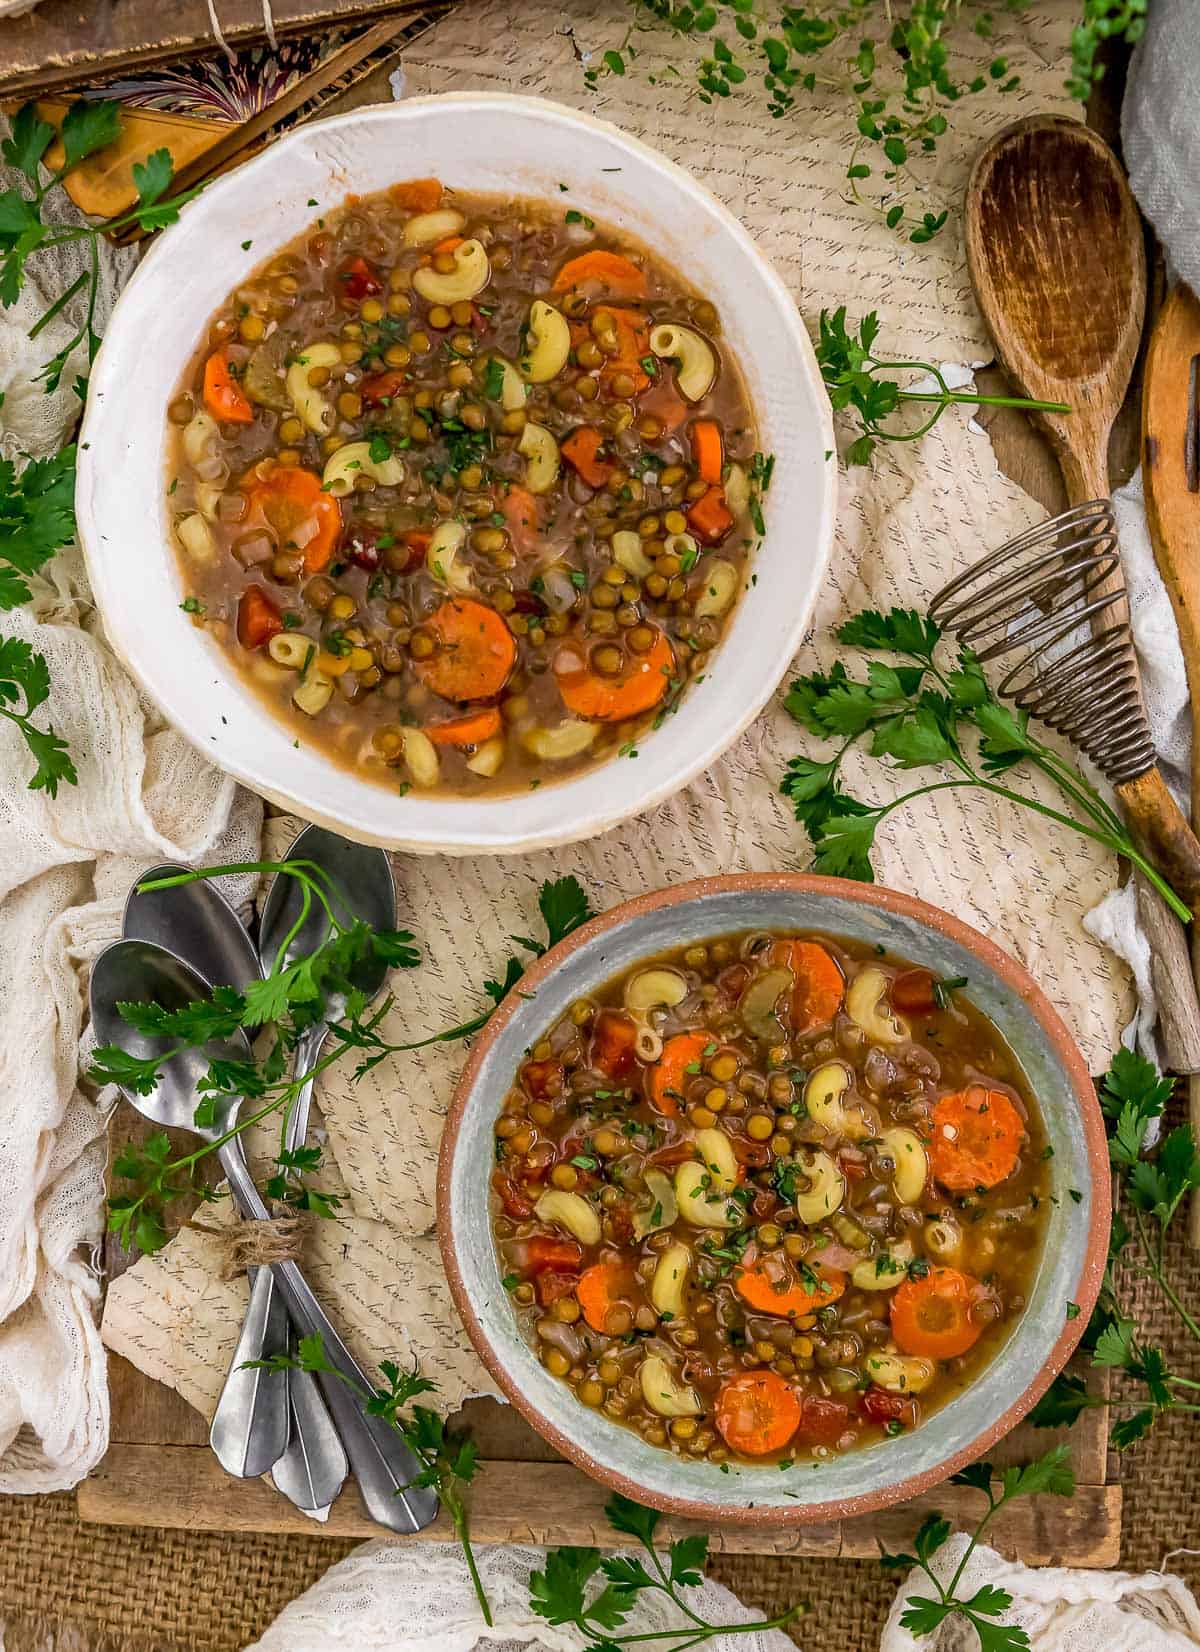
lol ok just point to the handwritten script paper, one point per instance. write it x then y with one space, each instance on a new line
923 511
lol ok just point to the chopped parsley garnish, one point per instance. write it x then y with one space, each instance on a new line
944 987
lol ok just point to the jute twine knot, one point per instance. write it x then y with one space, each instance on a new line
256 1244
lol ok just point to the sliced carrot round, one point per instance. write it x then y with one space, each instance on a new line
292 504
977 1136
771 1287
471 730
476 651
667 1079
820 986
613 699
603 1287
757 1413
223 395
931 1317
607 270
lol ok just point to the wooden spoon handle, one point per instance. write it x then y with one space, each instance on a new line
1163 829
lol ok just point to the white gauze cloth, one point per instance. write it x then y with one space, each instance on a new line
66 864
1160 133
1168 708
417 1597
1060 1609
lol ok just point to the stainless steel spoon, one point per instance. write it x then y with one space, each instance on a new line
136 971
362 888
261 1422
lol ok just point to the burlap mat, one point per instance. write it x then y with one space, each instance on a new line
125 1590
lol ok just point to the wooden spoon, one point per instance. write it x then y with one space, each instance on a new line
1057 260
1171 477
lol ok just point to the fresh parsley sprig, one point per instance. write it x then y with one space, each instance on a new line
291 997
923 1614
37 517
1154 1181
24 687
898 65
565 1590
852 370
449 1460
918 714
24 232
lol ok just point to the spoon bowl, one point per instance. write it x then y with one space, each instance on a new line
196 923
135 971
362 887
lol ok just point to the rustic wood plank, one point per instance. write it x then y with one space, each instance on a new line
185 1488
64 42
143 1412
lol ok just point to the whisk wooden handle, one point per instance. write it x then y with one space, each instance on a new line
1163 829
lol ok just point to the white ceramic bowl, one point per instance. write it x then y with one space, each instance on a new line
495 143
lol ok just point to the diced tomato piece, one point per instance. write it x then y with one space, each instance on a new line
822 1422
514 1201
528 602
754 1155
733 981
359 280
852 1163
674 1153
258 619
882 1407
583 450
613 1045
543 1252
543 1079
362 548
912 992
551 1285
378 388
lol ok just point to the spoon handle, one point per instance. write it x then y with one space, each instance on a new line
313 1469
383 1464
250 1426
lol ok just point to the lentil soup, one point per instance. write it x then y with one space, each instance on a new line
465 487
770 1197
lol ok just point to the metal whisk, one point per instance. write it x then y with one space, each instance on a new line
1054 596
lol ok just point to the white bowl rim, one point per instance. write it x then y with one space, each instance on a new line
485 824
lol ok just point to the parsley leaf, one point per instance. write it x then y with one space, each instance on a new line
88 126
850 370
24 686
37 518
27 142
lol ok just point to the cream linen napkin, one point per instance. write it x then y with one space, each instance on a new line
65 866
